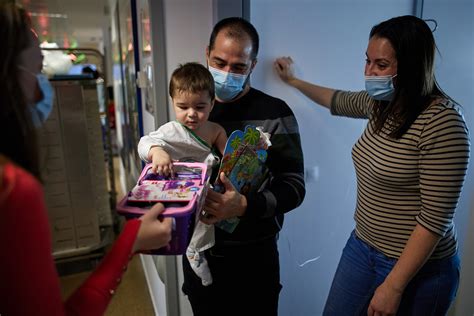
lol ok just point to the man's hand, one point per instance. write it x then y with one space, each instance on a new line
220 206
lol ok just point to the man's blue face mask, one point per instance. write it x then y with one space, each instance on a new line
228 85
380 87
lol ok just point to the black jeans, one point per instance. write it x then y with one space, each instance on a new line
246 281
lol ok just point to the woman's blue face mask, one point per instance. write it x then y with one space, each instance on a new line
380 87
42 109
227 84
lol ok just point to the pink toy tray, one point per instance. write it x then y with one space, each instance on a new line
181 194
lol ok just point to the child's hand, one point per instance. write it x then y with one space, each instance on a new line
161 161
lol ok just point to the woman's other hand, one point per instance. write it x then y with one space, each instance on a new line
284 69
154 233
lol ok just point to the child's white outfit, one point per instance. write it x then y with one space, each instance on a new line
183 145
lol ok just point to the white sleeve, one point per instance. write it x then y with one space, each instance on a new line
156 138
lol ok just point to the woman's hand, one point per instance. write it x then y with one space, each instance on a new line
284 69
154 233
387 296
385 301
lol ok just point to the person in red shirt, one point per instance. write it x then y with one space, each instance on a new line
29 284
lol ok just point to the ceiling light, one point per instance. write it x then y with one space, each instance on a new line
50 15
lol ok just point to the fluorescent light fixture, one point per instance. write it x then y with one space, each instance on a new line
50 15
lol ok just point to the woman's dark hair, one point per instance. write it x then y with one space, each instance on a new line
237 28
19 140
415 84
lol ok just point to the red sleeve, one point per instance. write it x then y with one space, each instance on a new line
29 283
99 288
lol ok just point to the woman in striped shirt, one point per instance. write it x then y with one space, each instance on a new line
410 162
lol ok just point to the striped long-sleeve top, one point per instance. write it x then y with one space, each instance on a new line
416 179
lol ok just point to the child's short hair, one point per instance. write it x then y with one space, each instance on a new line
191 78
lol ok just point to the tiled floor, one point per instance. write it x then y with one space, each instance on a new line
132 298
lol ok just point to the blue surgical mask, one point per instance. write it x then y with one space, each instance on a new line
228 85
42 109
380 87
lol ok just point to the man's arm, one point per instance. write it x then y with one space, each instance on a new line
286 189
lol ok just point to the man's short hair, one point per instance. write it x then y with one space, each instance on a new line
238 28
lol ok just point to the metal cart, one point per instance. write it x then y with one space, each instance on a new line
77 168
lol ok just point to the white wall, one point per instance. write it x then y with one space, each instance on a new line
188 27
455 73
